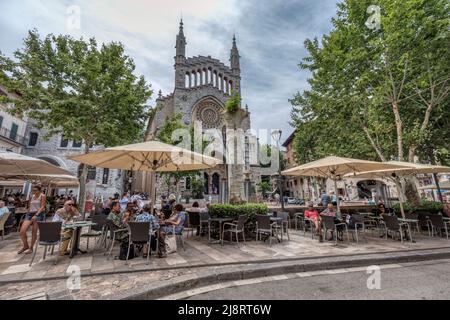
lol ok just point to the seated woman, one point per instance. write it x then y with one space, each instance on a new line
313 215
176 220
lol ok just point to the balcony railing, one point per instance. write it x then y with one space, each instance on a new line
8 134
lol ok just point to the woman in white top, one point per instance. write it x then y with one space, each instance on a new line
36 212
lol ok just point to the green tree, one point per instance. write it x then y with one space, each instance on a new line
233 103
265 187
79 89
377 94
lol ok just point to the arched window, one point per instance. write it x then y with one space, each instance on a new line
209 76
231 86
220 85
214 75
225 81
187 80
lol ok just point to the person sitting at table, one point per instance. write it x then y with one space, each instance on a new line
3 209
332 212
114 216
66 214
176 220
128 214
36 212
146 216
313 215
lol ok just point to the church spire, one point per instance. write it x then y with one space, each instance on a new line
234 57
181 44
180 58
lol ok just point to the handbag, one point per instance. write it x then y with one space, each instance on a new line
124 251
171 244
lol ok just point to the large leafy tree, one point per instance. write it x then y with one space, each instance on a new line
378 93
85 91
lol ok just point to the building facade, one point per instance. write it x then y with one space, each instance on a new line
351 189
12 128
56 150
202 86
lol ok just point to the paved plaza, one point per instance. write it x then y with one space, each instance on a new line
106 277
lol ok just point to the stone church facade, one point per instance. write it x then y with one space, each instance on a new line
202 87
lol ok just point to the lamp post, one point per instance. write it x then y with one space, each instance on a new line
276 135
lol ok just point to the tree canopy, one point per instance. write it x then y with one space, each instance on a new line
378 93
85 91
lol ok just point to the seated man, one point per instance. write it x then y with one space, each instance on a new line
146 216
65 215
313 215
114 216
177 219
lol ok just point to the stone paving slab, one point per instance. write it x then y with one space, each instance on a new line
199 255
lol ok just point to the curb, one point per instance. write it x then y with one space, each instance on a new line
209 277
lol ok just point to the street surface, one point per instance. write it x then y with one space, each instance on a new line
421 280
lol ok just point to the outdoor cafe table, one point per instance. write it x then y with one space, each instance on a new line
221 221
409 221
76 227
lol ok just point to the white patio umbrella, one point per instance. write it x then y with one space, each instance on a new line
407 169
14 164
151 156
335 167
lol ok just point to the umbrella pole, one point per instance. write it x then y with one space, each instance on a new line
439 193
400 197
336 193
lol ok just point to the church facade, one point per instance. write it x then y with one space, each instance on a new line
202 86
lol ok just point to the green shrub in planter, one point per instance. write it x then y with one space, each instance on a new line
430 206
407 207
234 211
425 206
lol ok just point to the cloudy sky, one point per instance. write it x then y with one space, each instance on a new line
270 36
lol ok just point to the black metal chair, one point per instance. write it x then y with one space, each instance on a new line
438 224
49 236
283 224
424 222
139 233
205 219
329 224
393 224
358 223
263 226
192 222
113 230
97 230
236 228
298 218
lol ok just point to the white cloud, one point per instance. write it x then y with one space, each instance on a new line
270 39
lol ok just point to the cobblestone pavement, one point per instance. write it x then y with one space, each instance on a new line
14 268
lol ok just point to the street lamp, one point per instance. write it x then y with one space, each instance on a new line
276 135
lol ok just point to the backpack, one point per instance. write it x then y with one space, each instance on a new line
124 251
